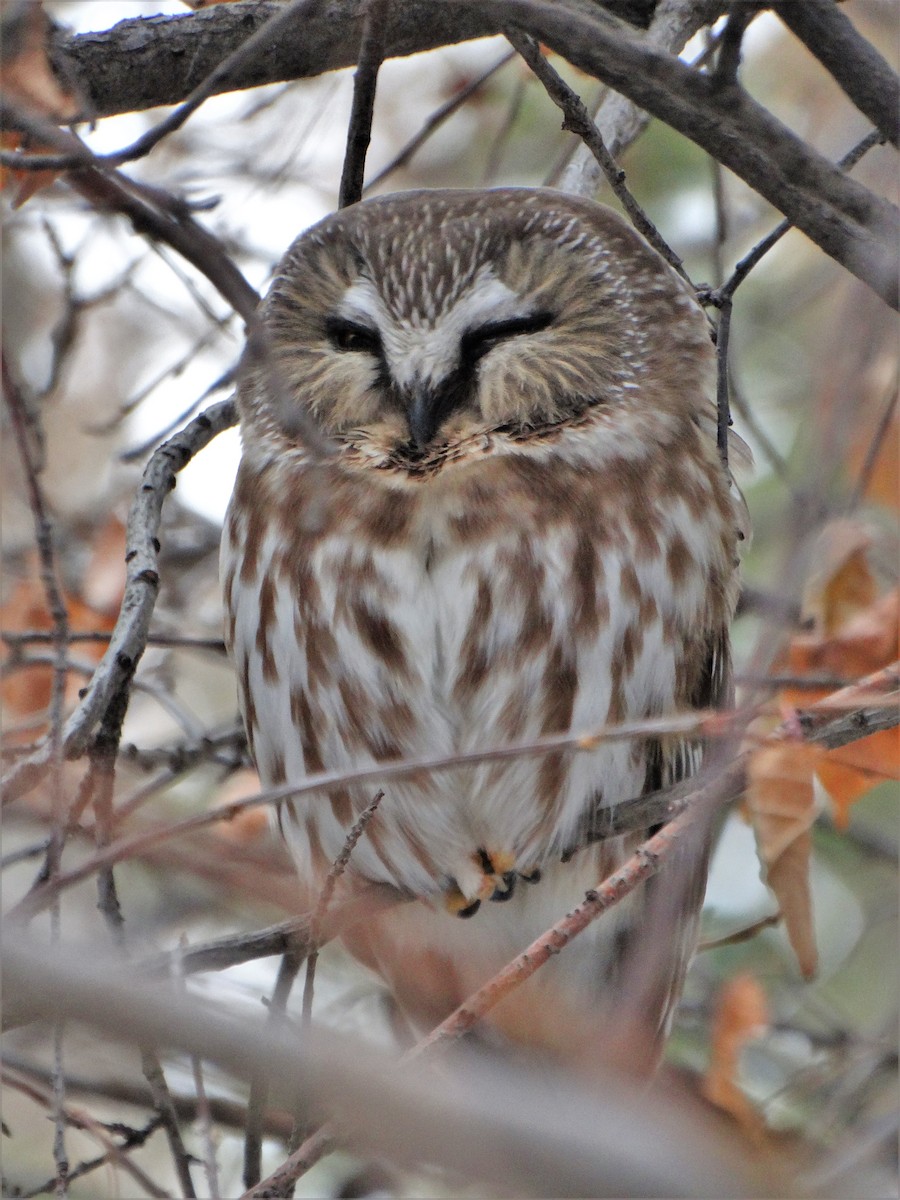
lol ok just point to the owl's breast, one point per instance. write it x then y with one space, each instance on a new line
523 596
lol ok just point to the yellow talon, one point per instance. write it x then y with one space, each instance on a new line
459 905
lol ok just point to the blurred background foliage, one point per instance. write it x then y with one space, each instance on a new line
116 342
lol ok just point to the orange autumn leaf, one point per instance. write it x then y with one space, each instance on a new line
849 772
252 824
780 801
863 643
854 633
842 582
741 1014
27 691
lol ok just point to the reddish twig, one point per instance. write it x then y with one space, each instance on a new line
644 863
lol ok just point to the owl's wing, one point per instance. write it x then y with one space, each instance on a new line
655 960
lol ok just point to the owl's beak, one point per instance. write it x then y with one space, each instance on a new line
424 414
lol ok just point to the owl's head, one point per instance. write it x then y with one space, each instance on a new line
427 318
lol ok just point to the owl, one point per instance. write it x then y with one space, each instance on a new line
525 529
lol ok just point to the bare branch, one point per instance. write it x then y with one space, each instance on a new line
578 121
365 80
130 635
529 1133
855 63
850 223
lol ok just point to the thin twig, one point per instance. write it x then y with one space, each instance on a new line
162 1102
741 935
116 1154
874 449
728 59
303 946
337 869
723 407
870 692
56 606
578 121
288 969
437 118
365 81
102 754
498 142
42 637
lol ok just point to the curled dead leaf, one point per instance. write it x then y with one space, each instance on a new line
780 802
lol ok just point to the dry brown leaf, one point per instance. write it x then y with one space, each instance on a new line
780 802
865 641
253 823
27 74
849 772
842 582
855 632
28 79
741 1014
27 692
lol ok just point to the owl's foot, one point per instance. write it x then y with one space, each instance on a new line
459 905
489 877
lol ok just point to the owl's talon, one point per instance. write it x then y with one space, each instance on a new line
532 876
458 904
504 892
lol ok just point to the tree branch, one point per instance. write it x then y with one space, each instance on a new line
852 61
850 223
526 1133
365 83
130 635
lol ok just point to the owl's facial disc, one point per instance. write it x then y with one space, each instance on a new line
426 364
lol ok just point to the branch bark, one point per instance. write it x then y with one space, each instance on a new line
167 57
527 1133
857 66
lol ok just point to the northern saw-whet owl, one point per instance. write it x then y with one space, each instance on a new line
526 529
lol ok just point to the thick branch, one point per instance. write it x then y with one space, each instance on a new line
524 1133
855 63
145 62
850 223
854 226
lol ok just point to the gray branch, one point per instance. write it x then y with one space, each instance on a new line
129 637
849 58
141 63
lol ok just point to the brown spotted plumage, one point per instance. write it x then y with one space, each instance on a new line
525 529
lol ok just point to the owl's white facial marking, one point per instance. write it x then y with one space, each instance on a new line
444 321
423 348
428 359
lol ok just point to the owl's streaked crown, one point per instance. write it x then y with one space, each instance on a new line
427 318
